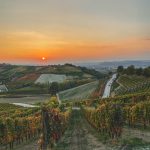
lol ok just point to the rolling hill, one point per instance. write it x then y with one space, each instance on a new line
22 79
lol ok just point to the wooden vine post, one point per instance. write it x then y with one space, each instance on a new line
45 129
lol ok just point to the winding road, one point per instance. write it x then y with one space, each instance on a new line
108 86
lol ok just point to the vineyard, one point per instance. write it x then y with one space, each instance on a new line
131 110
111 117
107 119
132 84
49 78
82 121
19 125
79 93
5 107
54 124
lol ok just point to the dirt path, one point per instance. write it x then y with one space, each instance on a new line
79 136
28 146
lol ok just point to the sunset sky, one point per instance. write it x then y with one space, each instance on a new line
74 30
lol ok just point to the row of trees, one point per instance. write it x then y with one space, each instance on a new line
55 87
93 72
73 83
131 70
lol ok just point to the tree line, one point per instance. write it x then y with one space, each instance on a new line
55 87
132 70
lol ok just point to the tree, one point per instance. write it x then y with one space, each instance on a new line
110 73
120 69
146 72
130 70
139 71
54 88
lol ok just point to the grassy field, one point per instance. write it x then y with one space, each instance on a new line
25 99
78 93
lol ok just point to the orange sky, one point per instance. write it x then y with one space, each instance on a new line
79 52
34 46
74 30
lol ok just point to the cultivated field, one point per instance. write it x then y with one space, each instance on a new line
79 93
49 78
132 84
117 123
25 99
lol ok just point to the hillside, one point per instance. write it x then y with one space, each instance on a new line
81 121
132 80
132 84
79 93
22 79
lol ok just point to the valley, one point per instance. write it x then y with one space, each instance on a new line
84 117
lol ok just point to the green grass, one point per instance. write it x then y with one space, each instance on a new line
30 90
6 106
114 86
28 99
79 93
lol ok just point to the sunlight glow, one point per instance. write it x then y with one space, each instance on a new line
43 58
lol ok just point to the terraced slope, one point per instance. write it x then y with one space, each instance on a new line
78 93
132 84
49 78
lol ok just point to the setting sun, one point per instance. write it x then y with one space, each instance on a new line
43 58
